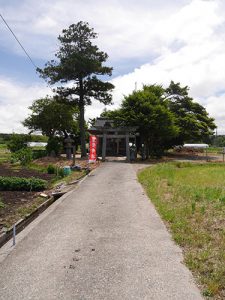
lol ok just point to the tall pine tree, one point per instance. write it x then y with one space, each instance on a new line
79 62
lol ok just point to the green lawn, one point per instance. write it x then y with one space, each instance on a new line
191 200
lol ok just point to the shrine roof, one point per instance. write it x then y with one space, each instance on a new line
107 125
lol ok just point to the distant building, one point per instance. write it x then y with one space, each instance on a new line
36 144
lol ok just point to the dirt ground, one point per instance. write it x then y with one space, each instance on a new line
15 204
62 161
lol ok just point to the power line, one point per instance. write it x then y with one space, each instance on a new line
19 42
31 60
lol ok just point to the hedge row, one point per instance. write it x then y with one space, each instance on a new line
22 184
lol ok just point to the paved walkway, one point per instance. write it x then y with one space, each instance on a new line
102 241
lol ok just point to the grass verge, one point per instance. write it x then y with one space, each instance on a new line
191 199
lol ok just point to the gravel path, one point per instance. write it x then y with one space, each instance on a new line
102 241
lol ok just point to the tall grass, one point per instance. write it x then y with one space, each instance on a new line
191 199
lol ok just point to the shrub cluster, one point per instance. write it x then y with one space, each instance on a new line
24 156
59 172
39 153
51 169
22 184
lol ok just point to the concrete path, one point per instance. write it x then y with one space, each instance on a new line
102 241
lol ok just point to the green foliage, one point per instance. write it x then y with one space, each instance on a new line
22 184
61 172
193 121
5 138
18 141
39 153
54 145
52 117
147 110
2 204
80 62
218 141
51 169
24 156
164 117
39 138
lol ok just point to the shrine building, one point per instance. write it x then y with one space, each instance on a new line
113 141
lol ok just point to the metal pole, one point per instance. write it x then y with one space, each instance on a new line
14 235
104 147
127 147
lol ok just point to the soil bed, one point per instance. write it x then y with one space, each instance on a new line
15 205
8 170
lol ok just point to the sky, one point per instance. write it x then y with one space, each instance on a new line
148 42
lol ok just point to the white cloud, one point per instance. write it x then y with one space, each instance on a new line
216 108
14 102
119 24
198 63
16 98
186 37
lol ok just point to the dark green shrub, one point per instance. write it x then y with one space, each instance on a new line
61 172
24 156
54 146
39 153
22 184
51 169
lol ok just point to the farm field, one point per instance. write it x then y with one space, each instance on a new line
16 204
191 200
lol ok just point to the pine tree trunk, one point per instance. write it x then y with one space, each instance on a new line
82 122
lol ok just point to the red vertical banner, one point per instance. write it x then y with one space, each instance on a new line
93 141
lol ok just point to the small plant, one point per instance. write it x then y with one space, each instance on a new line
203 209
61 172
193 207
207 293
51 169
222 199
2 205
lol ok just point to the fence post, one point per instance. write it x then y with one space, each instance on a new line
14 235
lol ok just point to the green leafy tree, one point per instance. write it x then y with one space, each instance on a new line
52 117
79 62
193 121
218 141
54 146
147 110
18 142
